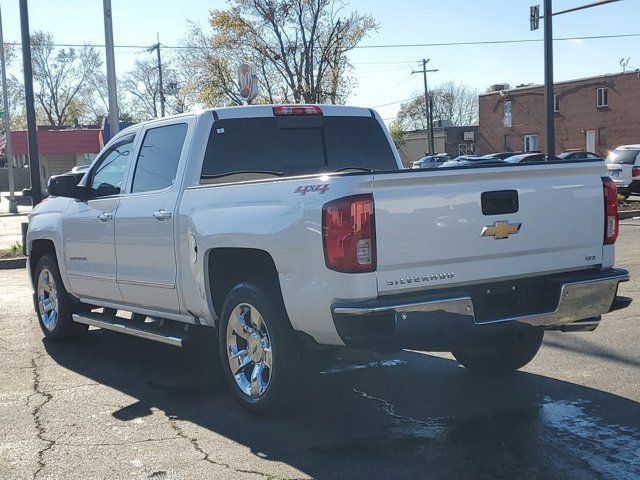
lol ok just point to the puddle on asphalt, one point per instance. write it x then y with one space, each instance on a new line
611 449
377 363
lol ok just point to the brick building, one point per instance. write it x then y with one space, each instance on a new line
596 114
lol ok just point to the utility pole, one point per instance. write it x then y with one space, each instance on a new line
156 47
427 105
114 117
34 161
548 80
13 206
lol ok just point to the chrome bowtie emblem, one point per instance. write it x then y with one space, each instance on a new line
500 230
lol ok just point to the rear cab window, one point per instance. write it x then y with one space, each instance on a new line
296 145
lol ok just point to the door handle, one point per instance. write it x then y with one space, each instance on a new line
162 214
105 216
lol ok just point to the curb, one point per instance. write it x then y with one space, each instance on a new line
12 263
22 214
628 214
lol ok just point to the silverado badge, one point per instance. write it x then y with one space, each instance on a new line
500 230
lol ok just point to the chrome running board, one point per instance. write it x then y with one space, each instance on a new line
150 331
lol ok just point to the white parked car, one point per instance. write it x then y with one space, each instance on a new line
623 166
286 228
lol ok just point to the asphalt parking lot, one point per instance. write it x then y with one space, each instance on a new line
112 406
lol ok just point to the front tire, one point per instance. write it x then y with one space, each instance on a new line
517 351
53 304
257 347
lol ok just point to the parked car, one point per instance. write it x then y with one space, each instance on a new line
623 166
431 161
500 155
464 160
283 229
527 158
579 155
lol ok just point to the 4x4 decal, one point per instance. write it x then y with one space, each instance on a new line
304 189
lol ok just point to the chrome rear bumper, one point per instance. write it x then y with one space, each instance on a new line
581 297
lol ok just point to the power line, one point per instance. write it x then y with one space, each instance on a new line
496 42
393 103
388 45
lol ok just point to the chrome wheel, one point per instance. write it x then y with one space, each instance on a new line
249 350
47 299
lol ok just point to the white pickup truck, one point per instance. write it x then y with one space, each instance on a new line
289 227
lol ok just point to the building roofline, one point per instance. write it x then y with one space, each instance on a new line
563 82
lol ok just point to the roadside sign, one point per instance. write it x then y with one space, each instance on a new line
248 81
534 17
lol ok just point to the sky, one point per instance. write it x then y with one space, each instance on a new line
382 75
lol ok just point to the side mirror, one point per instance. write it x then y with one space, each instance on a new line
66 185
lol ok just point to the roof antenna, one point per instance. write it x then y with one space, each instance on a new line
623 63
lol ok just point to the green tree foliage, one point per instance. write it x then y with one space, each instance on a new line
397 133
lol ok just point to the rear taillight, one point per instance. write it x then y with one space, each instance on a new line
635 172
281 110
611 222
349 234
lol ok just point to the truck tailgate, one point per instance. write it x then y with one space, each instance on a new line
429 224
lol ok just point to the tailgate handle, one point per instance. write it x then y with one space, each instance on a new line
499 202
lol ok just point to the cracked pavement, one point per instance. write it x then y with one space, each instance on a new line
111 406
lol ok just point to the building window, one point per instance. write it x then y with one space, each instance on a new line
556 103
602 136
506 114
602 95
531 143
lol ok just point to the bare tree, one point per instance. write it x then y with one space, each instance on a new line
140 88
451 101
140 84
60 76
299 46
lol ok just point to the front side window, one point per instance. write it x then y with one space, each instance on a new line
602 95
158 159
108 174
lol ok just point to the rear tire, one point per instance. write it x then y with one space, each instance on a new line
257 346
54 306
515 353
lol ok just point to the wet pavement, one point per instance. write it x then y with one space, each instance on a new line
112 406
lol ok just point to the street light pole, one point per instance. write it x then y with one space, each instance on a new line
13 206
534 19
34 161
114 117
548 80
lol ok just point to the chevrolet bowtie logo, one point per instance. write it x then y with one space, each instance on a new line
500 230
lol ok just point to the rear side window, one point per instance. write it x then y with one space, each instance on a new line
296 145
627 157
158 159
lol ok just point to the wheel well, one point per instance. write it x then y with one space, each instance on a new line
230 266
40 248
